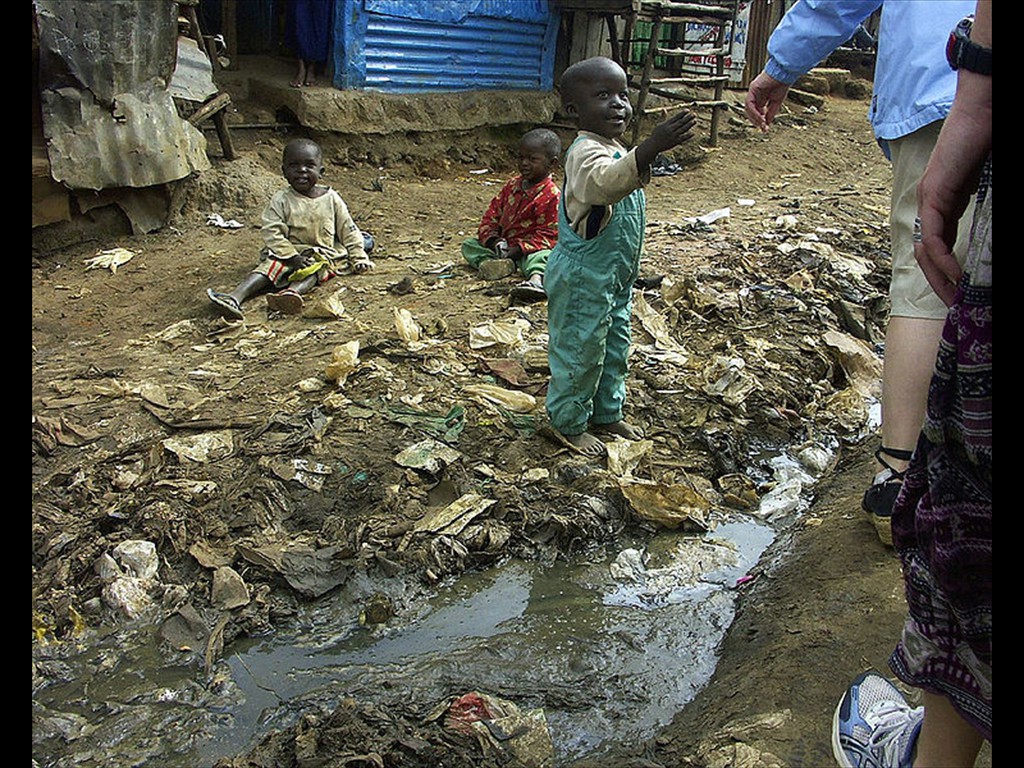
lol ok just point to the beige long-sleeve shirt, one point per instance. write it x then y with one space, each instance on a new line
293 223
595 179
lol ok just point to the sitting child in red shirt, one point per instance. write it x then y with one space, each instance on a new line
521 223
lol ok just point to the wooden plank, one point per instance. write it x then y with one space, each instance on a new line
221 123
693 53
645 79
208 109
683 103
694 80
666 9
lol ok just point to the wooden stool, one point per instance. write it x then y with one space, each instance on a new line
214 106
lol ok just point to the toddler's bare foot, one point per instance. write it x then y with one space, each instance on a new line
586 443
622 429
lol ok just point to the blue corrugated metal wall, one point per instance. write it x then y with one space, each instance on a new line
440 45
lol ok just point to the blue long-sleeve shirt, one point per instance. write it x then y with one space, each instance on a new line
913 84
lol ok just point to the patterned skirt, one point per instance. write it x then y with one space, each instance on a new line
942 520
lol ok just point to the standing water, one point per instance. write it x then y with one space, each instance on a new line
610 649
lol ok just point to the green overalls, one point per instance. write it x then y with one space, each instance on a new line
590 298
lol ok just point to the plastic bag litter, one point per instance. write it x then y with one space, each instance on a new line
430 455
344 360
788 494
216 220
861 365
670 506
456 516
111 259
325 307
727 379
708 218
501 728
408 329
509 334
625 455
311 474
208 446
510 399
817 459
738 491
655 324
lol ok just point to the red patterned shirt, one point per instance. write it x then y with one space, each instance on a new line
524 217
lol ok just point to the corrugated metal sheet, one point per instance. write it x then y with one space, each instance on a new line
108 117
437 46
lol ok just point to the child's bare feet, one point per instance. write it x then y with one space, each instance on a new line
621 429
586 443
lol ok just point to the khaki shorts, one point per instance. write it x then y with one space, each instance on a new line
909 292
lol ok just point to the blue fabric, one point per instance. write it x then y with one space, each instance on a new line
308 28
913 84
590 300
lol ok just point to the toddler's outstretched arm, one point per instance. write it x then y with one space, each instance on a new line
669 133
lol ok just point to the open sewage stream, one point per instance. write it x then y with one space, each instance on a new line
599 651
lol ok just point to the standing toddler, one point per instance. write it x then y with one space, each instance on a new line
591 271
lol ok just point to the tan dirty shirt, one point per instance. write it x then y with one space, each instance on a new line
293 223
594 176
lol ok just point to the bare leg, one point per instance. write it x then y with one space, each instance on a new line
305 285
251 285
946 739
310 73
300 78
910 347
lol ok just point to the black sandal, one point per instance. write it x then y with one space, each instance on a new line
880 497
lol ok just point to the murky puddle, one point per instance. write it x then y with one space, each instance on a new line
610 649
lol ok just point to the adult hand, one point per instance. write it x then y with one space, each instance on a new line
953 170
764 99
935 257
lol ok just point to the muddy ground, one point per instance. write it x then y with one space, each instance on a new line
253 455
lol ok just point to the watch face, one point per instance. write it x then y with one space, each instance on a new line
951 50
961 53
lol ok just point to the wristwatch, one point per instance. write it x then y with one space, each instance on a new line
961 53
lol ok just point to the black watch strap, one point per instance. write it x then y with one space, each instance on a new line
974 58
963 53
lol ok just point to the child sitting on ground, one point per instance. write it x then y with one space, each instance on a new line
307 232
591 270
521 223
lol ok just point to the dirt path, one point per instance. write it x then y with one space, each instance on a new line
125 361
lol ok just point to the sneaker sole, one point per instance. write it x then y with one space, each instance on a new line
837 749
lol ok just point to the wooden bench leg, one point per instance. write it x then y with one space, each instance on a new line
221 124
